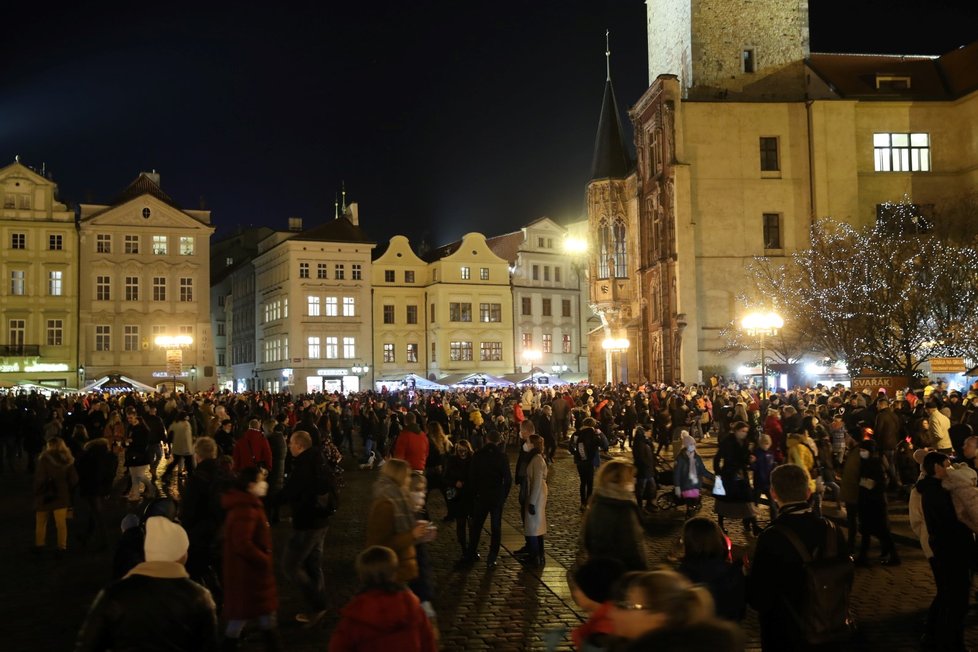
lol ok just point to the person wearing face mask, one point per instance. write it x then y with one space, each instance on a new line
249 574
873 520
688 474
535 506
612 523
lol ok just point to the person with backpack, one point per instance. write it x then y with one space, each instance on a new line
584 445
801 573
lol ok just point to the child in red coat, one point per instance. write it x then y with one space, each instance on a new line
384 616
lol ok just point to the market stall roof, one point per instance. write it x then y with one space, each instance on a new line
411 380
476 380
117 382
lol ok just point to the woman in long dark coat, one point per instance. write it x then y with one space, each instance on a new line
249 574
732 465
459 496
873 519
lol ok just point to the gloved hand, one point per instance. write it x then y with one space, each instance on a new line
532 509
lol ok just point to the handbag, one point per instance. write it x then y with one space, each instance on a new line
718 488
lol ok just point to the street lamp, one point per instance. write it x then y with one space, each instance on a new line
193 376
81 376
532 356
612 345
558 369
255 374
761 325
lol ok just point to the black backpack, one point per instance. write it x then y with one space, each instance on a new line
824 615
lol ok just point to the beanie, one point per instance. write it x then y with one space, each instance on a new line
165 540
596 577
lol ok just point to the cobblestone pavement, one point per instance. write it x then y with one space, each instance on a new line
508 608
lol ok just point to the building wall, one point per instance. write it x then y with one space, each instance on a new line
29 208
543 247
399 294
446 285
142 359
276 271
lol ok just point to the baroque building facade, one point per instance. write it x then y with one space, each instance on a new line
147 276
39 291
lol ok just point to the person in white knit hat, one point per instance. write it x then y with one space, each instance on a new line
126 615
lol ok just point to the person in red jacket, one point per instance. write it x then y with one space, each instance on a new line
249 573
252 449
384 616
412 444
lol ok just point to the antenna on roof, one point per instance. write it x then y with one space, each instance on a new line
16 158
336 206
343 185
607 52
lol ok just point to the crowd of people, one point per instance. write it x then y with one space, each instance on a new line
208 475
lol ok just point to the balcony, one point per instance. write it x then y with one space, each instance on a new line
20 350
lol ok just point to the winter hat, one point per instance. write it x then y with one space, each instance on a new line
596 577
165 540
686 439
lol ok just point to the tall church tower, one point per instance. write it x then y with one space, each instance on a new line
750 49
613 248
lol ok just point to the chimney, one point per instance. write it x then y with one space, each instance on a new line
153 176
353 213
295 224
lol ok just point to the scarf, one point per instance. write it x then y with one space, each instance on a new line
386 489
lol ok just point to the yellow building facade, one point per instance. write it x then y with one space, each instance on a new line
146 277
400 345
39 292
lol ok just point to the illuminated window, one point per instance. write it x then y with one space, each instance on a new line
186 245
491 351
490 312
313 347
566 348
349 347
332 309
901 152
55 280
349 307
332 347
483 273
548 343
466 273
412 352
526 340
313 303
460 351
161 245
389 353
17 282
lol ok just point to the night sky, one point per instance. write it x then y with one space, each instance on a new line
441 117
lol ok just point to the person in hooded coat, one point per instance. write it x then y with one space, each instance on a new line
249 574
384 616
55 479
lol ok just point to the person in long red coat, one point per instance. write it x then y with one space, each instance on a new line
252 449
385 616
249 574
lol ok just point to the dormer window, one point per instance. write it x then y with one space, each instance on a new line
892 82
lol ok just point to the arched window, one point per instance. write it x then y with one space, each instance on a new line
620 250
605 254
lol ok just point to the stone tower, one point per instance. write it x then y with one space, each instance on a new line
741 49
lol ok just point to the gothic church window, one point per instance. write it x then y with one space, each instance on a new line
620 250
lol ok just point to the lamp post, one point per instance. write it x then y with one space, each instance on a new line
193 377
255 374
611 346
81 376
532 356
761 325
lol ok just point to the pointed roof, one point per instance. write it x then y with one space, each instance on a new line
610 155
145 184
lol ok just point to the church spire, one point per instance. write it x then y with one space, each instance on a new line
610 155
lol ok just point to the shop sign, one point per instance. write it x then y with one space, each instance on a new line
947 365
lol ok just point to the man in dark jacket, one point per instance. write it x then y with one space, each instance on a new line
584 446
201 513
157 435
303 556
127 614
887 429
777 575
645 481
138 457
953 545
490 482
